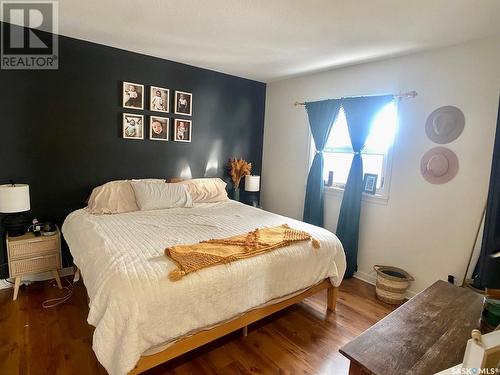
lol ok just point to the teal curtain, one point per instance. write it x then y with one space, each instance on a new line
321 115
359 114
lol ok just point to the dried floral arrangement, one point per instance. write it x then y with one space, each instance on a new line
238 168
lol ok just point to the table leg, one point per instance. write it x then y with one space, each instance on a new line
355 369
58 280
17 283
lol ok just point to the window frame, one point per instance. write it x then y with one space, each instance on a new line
381 195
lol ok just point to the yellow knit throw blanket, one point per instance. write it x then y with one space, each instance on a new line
191 258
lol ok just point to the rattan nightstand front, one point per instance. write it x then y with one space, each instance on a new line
28 254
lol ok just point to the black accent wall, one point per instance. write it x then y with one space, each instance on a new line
61 130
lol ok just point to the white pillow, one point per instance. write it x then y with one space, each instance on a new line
158 195
149 179
114 197
206 190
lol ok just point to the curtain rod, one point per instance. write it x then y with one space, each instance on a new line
410 94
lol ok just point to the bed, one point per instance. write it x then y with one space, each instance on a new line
141 318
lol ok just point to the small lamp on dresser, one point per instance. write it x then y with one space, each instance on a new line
252 185
14 201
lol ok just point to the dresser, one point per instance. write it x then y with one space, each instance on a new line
29 254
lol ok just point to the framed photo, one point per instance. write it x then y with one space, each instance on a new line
158 128
370 183
158 99
133 95
182 130
133 126
329 182
183 103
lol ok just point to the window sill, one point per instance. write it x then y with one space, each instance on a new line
377 198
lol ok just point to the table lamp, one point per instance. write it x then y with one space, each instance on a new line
252 185
15 199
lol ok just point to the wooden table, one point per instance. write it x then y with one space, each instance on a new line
425 335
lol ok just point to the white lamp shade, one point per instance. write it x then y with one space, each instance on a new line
14 198
252 183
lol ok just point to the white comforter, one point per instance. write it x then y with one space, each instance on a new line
133 304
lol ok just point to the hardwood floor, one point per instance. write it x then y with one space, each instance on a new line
301 339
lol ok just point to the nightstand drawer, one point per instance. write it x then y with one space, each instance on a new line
34 265
33 248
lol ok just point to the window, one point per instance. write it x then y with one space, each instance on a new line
338 152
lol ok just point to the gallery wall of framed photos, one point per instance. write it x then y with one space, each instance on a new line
134 126
62 130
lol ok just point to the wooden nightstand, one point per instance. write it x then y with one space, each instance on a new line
28 254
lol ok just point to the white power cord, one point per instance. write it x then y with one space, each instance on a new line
53 302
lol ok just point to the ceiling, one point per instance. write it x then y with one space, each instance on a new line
268 40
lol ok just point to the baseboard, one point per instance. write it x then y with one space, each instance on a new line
371 279
4 284
367 278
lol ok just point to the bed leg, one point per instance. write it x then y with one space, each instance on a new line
76 272
244 331
332 293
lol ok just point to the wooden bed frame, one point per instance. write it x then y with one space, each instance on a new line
241 322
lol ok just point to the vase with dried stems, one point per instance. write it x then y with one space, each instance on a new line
238 168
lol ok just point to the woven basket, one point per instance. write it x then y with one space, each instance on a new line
392 283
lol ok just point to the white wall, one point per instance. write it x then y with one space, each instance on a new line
426 229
